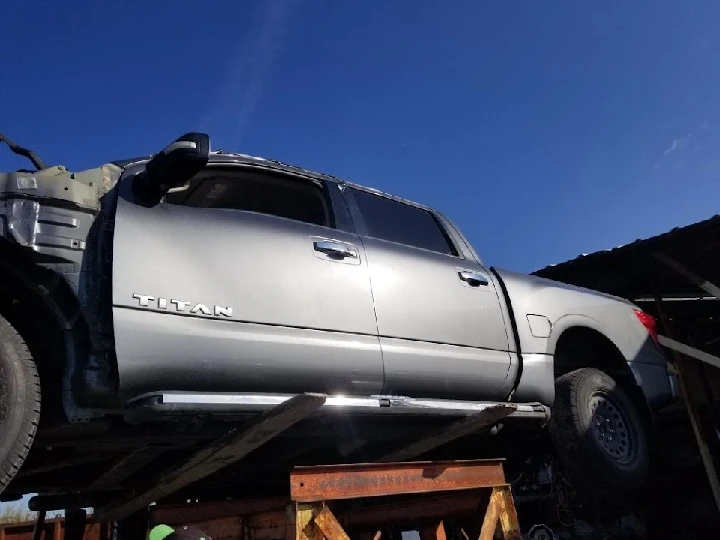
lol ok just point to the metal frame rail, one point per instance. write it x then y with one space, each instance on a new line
442 499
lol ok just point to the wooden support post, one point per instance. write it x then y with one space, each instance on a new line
501 509
492 515
305 526
228 449
689 376
329 525
39 528
509 523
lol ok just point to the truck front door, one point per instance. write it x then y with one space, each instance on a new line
247 280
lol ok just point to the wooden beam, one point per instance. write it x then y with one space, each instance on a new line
688 376
329 525
465 426
228 449
691 276
509 523
492 516
305 528
687 350
125 467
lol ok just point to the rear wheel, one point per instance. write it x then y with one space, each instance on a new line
19 402
598 433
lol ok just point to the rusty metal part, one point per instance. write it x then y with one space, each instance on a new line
324 483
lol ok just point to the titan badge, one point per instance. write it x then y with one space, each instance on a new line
182 306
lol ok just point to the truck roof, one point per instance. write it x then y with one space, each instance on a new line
220 156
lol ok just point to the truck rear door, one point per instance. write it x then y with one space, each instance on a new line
439 316
247 280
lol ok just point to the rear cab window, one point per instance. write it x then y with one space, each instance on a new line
276 195
402 223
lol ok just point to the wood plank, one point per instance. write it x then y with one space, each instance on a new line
305 528
687 350
329 525
691 276
460 428
509 523
228 449
687 374
125 467
492 516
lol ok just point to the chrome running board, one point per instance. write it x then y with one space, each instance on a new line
168 406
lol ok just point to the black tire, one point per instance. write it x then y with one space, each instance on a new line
19 402
598 433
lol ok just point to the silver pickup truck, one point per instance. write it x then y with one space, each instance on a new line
152 290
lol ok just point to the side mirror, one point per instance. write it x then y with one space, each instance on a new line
174 166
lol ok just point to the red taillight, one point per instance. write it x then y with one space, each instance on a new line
648 321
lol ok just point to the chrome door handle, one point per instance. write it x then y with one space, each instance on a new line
335 249
473 279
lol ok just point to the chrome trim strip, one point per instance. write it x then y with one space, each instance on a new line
254 402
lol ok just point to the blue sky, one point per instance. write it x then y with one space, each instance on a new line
545 129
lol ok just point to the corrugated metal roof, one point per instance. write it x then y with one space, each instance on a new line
631 270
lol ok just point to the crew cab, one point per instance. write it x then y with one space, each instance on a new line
141 295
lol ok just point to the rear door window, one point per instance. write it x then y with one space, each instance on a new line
395 221
291 198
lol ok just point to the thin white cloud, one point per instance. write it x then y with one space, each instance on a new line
676 144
